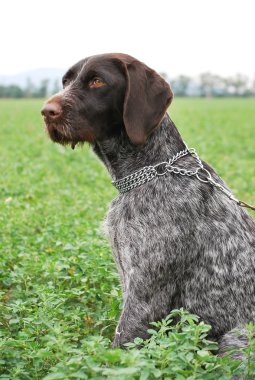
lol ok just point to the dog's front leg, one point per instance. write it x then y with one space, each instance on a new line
148 290
134 321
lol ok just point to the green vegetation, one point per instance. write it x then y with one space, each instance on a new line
59 291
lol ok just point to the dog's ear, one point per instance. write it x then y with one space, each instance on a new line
147 98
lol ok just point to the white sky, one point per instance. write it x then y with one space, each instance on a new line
175 36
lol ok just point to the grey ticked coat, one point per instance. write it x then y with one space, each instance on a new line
178 242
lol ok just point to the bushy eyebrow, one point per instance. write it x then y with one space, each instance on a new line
67 75
100 71
74 70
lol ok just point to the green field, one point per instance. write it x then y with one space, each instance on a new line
59 291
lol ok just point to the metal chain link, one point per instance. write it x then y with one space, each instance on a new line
136 179
147 173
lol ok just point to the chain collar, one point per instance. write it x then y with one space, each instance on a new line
147 173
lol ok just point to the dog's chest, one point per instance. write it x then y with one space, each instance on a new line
142 232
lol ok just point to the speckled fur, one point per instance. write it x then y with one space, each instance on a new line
178 242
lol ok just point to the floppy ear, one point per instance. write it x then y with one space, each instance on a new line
147 97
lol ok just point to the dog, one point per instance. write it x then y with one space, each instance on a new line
178 240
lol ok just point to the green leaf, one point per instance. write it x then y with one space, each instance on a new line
152 332
120 371
55 376
203 353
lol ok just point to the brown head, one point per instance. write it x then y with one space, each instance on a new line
104 94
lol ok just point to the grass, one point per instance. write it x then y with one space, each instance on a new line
59 290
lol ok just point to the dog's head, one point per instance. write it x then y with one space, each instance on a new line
103 94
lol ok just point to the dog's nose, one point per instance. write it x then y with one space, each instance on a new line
51 111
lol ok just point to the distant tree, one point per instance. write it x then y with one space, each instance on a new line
2 91
56 86
207 84
29 89
218 88
180 85
11 91
236 86
227 86
14 91
42 91
240 84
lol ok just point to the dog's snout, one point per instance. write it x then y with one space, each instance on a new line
52 110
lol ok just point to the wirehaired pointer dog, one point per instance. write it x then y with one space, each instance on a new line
178 240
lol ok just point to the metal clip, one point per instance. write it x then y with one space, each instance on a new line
161 169
224 190
204 180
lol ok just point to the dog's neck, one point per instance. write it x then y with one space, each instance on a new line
122 158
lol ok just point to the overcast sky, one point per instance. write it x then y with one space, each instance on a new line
175 36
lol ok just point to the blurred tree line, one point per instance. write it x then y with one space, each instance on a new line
206 85
212 85
44 89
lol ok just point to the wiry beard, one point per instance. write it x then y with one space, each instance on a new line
61 134
61 131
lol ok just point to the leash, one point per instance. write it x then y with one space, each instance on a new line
148 173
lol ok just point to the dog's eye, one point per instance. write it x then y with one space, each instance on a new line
96 82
